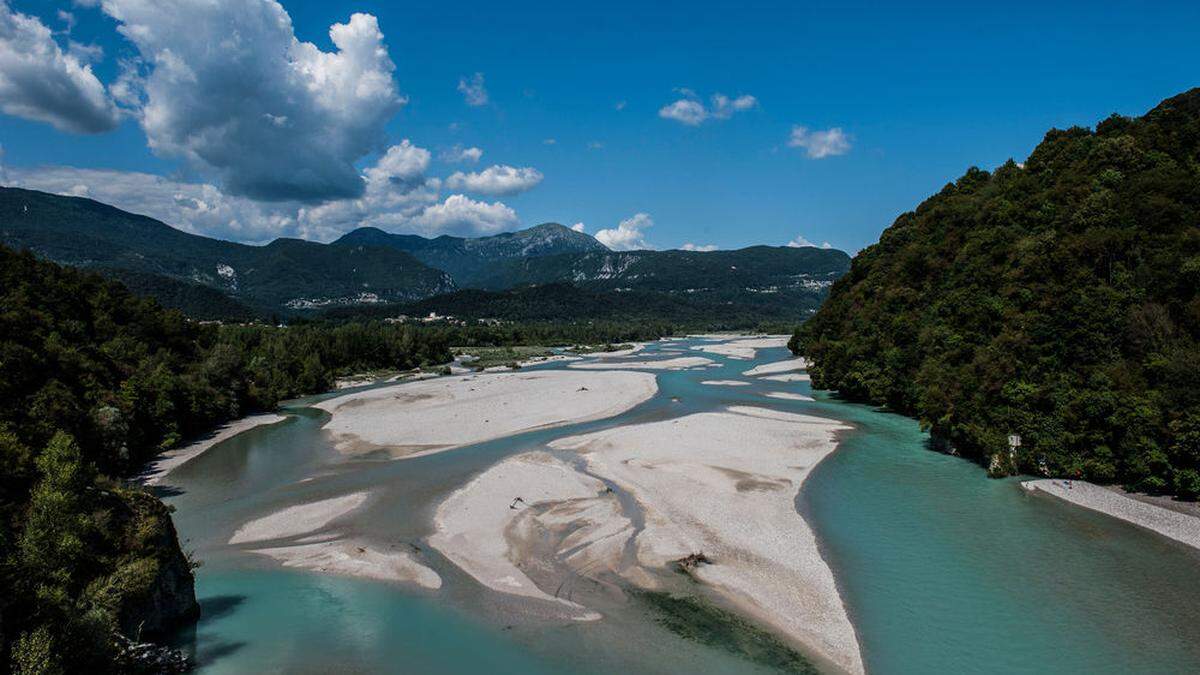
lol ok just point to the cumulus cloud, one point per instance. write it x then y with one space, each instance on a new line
196 207
472 89
40 82
696 247
496 180
819 144
691 111
227 86
460 155
578 227
459 214
398 196
801 242
629 234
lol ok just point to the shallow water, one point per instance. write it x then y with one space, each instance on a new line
946 571
941 569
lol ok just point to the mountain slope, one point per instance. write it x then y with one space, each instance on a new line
468 260
761 268
1059 300
286 273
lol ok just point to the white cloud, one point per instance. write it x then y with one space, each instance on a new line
685 111
628 235
496 180
820 144
459 214
578 227
196 207
460 155
800 242
691 111
68 20
694 247
595 145
724 107
38 81
473 91
620 105
398 196
550 141
227 86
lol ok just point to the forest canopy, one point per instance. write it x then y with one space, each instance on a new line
1057 299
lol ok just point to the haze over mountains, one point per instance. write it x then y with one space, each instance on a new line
212 278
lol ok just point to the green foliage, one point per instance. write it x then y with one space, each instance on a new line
562 304
1058 300
97 380
36 654
52 544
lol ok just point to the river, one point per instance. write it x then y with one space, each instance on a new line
941 569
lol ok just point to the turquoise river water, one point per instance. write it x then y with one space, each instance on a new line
942 570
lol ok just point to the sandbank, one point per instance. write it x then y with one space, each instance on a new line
726 383
168 461
777 367
1181 527
418 418
788 396
749 463
678 363
489 526
742 348
355 558
299 519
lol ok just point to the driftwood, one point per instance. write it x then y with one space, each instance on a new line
691 561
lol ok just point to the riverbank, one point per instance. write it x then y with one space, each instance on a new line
1173 524
157 468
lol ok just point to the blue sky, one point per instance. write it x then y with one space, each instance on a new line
918 94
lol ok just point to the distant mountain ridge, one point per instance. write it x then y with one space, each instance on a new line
756 269
285 274
468 260
211 278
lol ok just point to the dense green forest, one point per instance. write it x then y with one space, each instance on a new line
95 381
562 303
1058 300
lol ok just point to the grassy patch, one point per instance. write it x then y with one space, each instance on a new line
601 348
694 619
486 357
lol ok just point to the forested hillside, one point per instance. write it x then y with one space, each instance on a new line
755 269
287 274
469 260
566 303
1058 300
95 381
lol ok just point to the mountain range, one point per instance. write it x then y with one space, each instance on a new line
215 279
